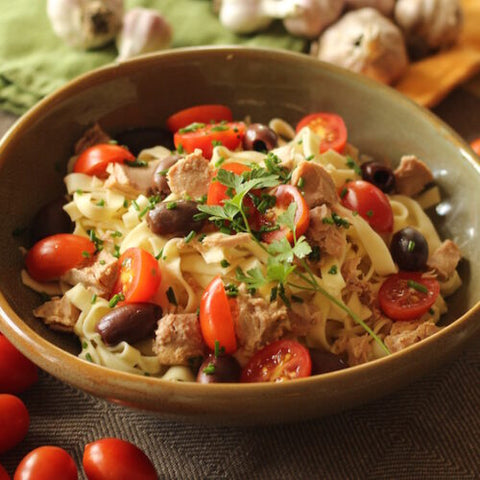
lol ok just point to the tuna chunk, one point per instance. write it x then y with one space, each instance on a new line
93 136
99 275
318 187
354 283
131 181
58 313
358 349
258 323
178 338
329 237
412 176
404 334
190 176
444 259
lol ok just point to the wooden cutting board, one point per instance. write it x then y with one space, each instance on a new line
428 81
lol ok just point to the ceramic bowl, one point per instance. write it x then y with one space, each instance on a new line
263 84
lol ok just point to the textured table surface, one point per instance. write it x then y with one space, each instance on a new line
429 430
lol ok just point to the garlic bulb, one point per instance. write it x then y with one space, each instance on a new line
312 16
429 25
244 16
365 41
85 23
144 30
383 6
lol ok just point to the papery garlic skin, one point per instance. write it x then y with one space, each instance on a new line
144 30
312 16
385 7
366 42
244 16
85 23
429 25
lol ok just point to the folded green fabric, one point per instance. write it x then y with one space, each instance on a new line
34 62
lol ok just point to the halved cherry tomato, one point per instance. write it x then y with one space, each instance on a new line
286 194
17 372
330 127
201 114
52 256
206 136
14 421
216 319
139 275
407 295
94 160
116 459
280 361
4 474
217 192
47 463
475 144
370 203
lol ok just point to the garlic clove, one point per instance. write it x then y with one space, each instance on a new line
85 24
385 7
429 25
366 42
244 16
144 30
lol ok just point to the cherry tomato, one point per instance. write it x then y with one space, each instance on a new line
201 114
17 372
115 459
216 319
14 421
286 194
52 256
206 136
47 463
280 361
94 160
217 192
370 202
4 474
139 276
475 144
330 127
407 295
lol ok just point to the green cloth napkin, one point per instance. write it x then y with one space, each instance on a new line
34 62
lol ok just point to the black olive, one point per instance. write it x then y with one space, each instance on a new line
220 369
409 249
137 139
159 179
131 323
324 362
380 175
260 138
174 218
50 220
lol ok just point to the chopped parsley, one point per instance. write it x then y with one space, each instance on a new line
417 286
136 163
118 297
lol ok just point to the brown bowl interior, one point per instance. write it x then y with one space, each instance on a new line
262 84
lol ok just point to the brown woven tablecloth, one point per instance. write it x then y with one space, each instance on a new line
429 430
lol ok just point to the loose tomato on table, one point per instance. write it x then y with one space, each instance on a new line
52 256
407 295
14 421
216 319
370 203
17 372
214 113
139 276
287 194
330 127
94 160
116 459
47 463
280 361
206 136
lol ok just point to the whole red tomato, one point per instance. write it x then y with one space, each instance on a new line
17 372
116 459
3 474
14 421
47 463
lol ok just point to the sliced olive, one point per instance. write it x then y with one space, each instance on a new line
175 218
324 362
380 175
220 369
409 249
259 137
